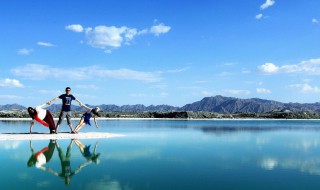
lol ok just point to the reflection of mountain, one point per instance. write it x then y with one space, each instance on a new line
220 129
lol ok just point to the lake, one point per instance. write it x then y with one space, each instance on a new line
167 154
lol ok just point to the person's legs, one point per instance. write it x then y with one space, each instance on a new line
69 120
50 121
79 126
61 118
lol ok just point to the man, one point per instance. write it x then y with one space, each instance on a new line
66 107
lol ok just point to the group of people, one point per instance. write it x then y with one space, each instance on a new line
45 117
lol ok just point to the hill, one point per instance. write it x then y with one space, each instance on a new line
217 104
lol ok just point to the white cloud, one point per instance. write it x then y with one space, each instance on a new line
269 68
224 74
159 29
259 16
315 21
10 83
109 36
236 92
267 4
138 95
311 67
112 37
10 96
25 51
305 88
263 91
206 93
90 87
46 44
74 28
40 72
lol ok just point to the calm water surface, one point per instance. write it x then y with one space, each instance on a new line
167 154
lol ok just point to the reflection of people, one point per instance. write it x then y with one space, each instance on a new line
41 157
85 119
42 116
85 151
66 171
66 107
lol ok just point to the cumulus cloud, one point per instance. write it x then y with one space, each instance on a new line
259 16
159 29
4 96
46 44
25 51
236 92
314 20
305 88
74 28
267 4
263 91
112 37
109 36
269 68
41 72
10 83
311 67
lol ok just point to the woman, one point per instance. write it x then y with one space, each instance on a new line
42 116
85 119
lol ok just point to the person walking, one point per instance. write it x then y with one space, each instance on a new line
66 107
42 116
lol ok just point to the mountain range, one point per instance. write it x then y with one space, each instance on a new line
218 104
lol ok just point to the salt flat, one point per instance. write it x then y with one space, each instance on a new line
44 136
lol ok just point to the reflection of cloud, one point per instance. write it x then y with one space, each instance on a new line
43 184
105 183
305 144
269 163
133 154
24 176
311 166
9 145
262 141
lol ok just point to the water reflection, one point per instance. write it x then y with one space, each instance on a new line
40 158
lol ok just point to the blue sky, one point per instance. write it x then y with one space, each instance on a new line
159 52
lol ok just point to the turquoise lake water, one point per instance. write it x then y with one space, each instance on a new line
167 154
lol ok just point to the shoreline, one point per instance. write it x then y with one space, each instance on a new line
173 119
46 136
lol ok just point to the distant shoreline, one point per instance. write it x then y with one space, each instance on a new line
174 119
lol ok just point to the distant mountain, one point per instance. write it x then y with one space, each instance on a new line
218 104
222 104
12 107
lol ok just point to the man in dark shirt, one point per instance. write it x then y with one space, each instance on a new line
66 107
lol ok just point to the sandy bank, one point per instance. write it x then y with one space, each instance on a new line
44 136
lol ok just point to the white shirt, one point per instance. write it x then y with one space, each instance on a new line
41 112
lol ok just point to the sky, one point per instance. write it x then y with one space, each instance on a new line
159 52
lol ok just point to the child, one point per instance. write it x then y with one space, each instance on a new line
85 119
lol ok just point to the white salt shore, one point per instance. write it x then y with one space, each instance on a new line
44 136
